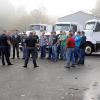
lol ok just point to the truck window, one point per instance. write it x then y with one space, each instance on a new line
97 29
90 26
63 27
34 27
74 28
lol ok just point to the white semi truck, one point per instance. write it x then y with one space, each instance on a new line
39 28
92 32
67 26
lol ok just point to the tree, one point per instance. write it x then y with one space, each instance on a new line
96 10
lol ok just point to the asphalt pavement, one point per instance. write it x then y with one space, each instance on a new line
51 81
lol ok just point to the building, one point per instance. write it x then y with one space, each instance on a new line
78 17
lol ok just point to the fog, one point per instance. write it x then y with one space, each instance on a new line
96 10
12 18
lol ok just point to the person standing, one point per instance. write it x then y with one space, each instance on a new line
62 39
37 40
70 45
24 36
43 43
82 49
77 45
9 37
4 45
15 42
50 40
54 47
30 47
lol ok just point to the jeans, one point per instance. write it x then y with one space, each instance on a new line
63 52
77 54
5 55
82 56
70 56
58 51
28 52
16 46
24 52
54 53
50 52
43 51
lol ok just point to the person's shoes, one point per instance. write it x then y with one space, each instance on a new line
25 66
73 66
18 57
12 58
82 64
23 58
36 66
10 64
67 66
3 64
48 58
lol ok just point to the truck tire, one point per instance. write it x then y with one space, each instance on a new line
88 49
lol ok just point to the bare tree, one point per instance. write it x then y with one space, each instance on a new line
96 10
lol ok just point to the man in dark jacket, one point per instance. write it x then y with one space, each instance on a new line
30 46
15 42
4 46
37 40
82 49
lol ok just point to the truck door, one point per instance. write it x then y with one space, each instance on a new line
96 35
74 28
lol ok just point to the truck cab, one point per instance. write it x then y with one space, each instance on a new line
39 28
66 27
92 32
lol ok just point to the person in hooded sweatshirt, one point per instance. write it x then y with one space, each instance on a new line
77 45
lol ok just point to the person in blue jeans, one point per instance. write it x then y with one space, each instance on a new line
43 42
24 36
70 45
77 45
50 40
54 47
82 49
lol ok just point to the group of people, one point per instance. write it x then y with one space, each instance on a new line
69 47
6 42
64 46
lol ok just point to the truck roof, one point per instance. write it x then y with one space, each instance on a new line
67 23
39 24
93 20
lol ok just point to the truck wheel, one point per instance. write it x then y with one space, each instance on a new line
88 49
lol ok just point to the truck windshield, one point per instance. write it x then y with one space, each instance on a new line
34 27
90 26
62 27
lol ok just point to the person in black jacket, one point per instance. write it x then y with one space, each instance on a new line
30 46
15 42
82 49
4 45
37 40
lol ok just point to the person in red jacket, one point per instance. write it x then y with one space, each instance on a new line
70 45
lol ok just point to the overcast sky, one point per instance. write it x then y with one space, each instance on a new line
57 7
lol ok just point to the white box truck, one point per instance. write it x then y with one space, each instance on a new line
92 32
